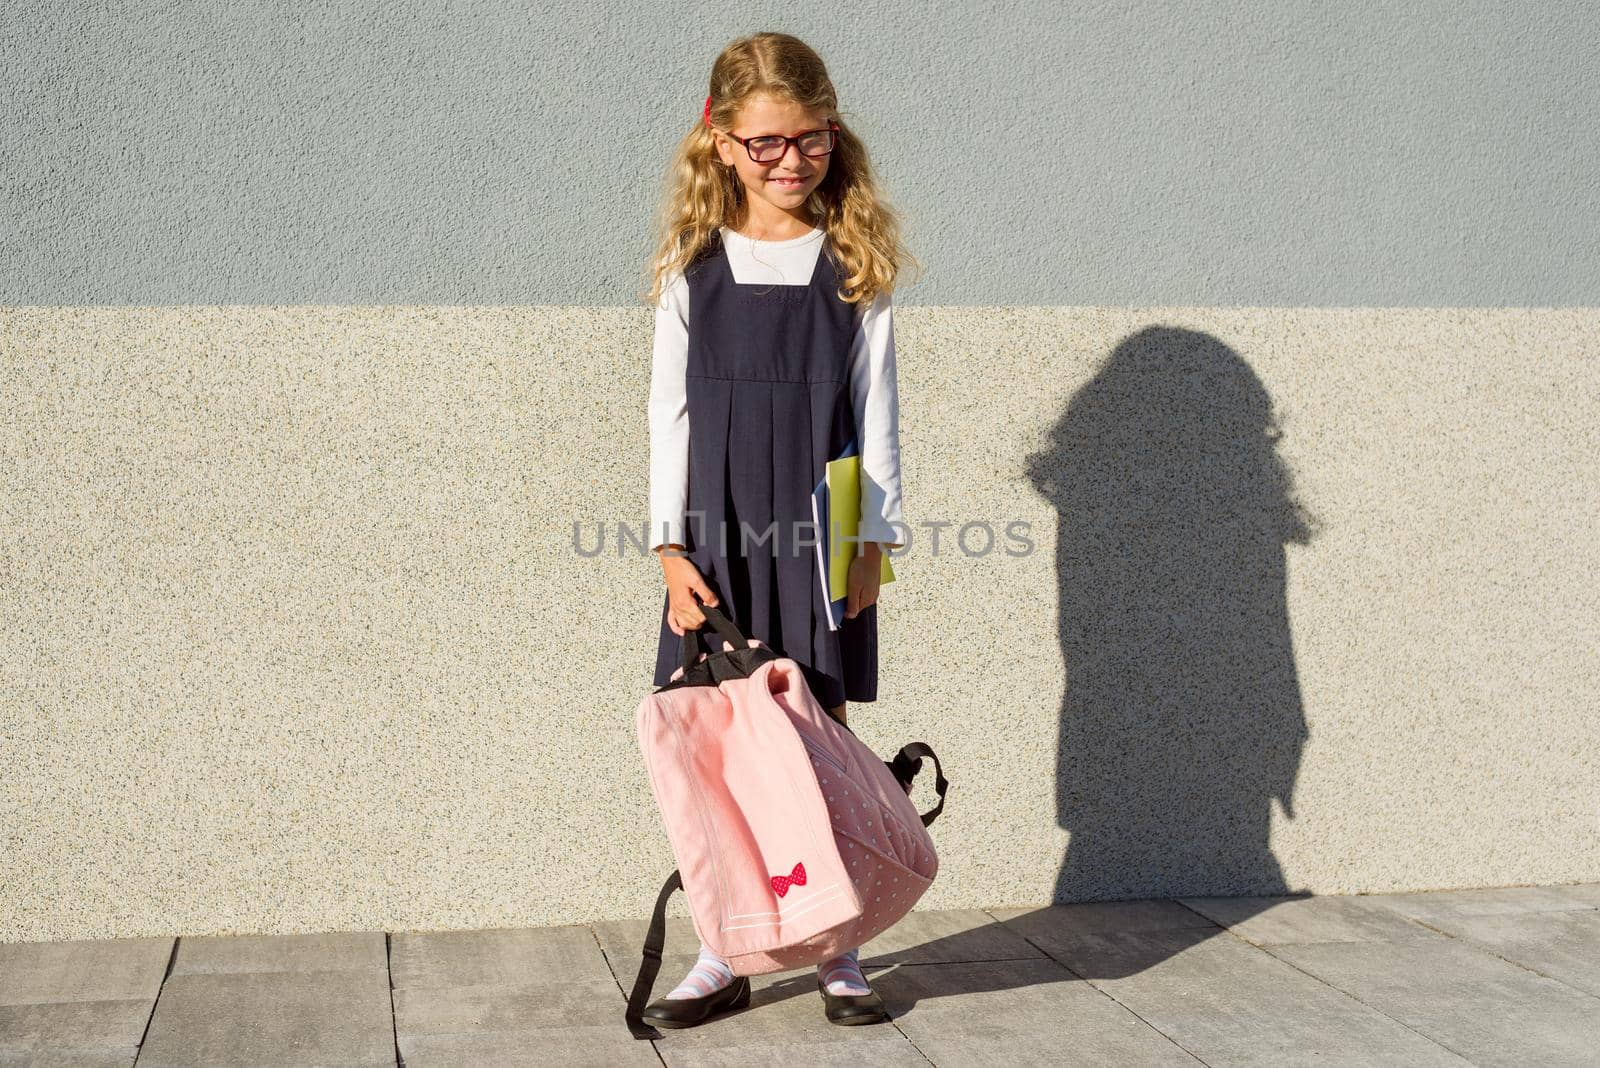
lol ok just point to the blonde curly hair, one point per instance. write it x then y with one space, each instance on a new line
701 194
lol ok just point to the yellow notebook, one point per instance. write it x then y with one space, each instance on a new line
836 508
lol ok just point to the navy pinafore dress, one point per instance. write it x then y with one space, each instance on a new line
768 397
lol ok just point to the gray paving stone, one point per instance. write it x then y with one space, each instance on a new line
522 1015
505 956
1552 930
948 936
1487 1010
1434 905
1019 1012
88 999
79 1026
1580 893
345 951
276 1018
621 940
1228 1002
1093 917
570 1047
1273 920
1562 945
70 1059
506 1007
868 1044
108 969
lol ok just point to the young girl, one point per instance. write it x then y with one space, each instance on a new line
774 352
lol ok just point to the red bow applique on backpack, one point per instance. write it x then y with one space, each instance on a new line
780 883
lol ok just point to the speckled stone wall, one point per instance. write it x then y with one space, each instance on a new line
298 639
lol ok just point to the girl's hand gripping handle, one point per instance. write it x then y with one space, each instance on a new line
686 591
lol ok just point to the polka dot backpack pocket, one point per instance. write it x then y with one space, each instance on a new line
795 842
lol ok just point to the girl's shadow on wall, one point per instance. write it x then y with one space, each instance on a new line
1181 715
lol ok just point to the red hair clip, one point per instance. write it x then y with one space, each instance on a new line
706 114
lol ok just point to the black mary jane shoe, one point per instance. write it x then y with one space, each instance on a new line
687 1012
850 1009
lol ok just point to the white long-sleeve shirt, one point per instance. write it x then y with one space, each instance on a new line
873 392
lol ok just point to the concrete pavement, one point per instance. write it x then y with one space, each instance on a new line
1506 976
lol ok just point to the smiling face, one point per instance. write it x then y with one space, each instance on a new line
779 188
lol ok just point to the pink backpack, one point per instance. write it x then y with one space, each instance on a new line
794 841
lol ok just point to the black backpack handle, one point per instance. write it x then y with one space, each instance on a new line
738 661
694 641
908 762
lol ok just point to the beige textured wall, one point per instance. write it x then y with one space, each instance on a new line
296 637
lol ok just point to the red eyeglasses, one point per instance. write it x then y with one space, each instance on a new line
770 148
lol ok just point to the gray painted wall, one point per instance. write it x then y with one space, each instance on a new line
1256 153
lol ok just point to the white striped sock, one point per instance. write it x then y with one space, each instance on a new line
709 974
842 974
